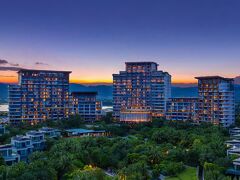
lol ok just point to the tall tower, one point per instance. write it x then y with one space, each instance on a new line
216 96
140 92
39 95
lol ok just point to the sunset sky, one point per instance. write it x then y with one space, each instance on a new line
93 38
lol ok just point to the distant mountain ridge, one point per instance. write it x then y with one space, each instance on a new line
104 91
184 91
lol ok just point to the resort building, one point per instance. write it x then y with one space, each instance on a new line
232 143
216 100
236 164
15 104
99 111
22 145
234 131
39 95
85 104
37 140
233 151
50 132
183 109
140 89
6 151
234 172
136 116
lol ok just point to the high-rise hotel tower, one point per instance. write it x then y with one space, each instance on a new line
140 92
216 96
39 95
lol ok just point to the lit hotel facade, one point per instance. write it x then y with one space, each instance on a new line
216 100
85 105
140 92
39 95
182 109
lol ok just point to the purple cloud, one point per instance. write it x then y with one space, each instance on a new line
41 63
3 61
9 68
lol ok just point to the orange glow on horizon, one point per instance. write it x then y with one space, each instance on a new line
182 81
8 80
11 77
11 80
91 81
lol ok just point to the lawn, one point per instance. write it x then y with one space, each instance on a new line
187 174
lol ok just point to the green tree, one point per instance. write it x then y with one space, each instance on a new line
40 170
170 168
16 170
2 162
3 172
213 172
134 171
88 173
108 118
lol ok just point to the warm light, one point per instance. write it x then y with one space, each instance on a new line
100 81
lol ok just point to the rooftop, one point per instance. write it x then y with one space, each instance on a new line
37 70
236 135
234 149
21 138
34 133
213 77
48 129
5 146
233 141
141 62
82 131
236 160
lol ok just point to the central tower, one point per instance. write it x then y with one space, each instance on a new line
140 92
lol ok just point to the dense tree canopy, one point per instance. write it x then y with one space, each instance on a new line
132 152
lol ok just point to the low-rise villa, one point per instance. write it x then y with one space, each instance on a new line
50 132
22 145
233 143
37 140
236 136
233 151
236 163
6 151
234 131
